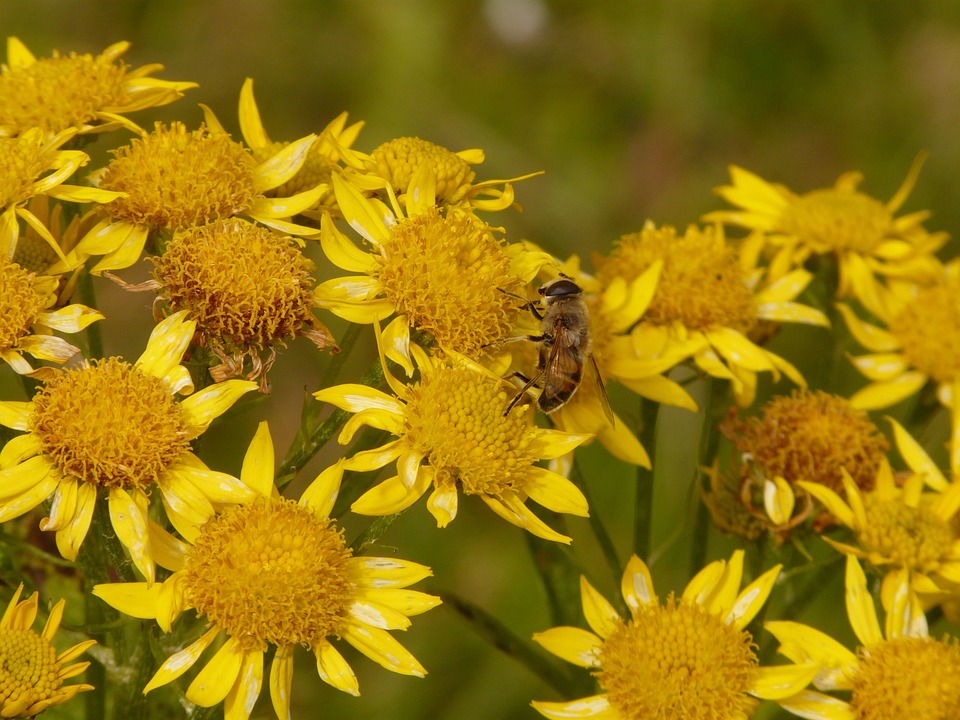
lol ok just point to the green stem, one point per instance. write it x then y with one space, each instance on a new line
713 411
604 540
88 295
643 500
560 575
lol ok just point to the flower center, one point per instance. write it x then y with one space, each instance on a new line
455 417
20 303
271 572
446 274
22 161
908 677
109 423
398 159
247 287
28 669
811 436
837 219
677 662
59 92
914 537
702 285
928 329
175 178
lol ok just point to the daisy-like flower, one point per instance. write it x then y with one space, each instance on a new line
684 659
707 303
897 672
248 288
330 149
441 273
86 92
31 670
398 163
862 233
113 428
174 178
809 436
28 317
452 436
33 164
901 527
274 572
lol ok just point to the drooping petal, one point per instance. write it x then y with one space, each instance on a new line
201 408
831 500
71 536
573 644
443 503
554 492
334 670
16 415
596 707
279 168
803 644
128 516
511 508
781 681
860 608
359 213
917 458
637 585
281 679
390 496
218 676
239 702
812 705
178 663
136 599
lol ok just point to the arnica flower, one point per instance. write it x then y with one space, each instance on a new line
248 288
398 163
442 274
809 436
275 572
31 165
85 92
452 436
897 672
685 659
862 233
708 303
174 178
27 319
902 527
331 147
31 670
109 428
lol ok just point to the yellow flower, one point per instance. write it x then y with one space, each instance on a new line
902 527
276 572
707 303
31 670
85 92
398 163
899 672
114 428
443 274
684 659
247 287
452 435
28 317
31 165
173 178
861 232
332 145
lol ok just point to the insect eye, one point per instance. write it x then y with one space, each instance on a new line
560 288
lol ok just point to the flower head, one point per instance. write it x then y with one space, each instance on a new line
274 572
85 92
31 670
686 658
897 672
861 232
452 436
114 428
173 178
248 289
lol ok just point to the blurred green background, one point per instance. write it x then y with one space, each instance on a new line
634 110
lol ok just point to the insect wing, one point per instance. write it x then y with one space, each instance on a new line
562 370
601 391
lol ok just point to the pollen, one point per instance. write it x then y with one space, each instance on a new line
455 418
60 92
398 159
447 273
20 303
677 662
702 285
908 677
247 287
837 219
28 671
22 161
177 178
810 436
271 572
913 537
928 329
110 424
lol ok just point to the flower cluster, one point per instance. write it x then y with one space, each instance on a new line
494 366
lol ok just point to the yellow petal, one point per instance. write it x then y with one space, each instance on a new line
381 647
738 350
128 515
554 492
778 500
19 449
70 319
917 458
250 124
596 707
636 585
239 702
178 663
281 677
389 572
343 253
279 168
16 415
860 608
816 706
218 676
573 644
136 599
870 336
443 503
71 536
366 218
511 508
377 615
833 502
408 602
258 462
804 644
334 670
389 497
722 597
881 367
167 344
201 408
781 681
376 458
322 493
600 614
354 398
752 598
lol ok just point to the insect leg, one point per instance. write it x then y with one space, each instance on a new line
528 383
